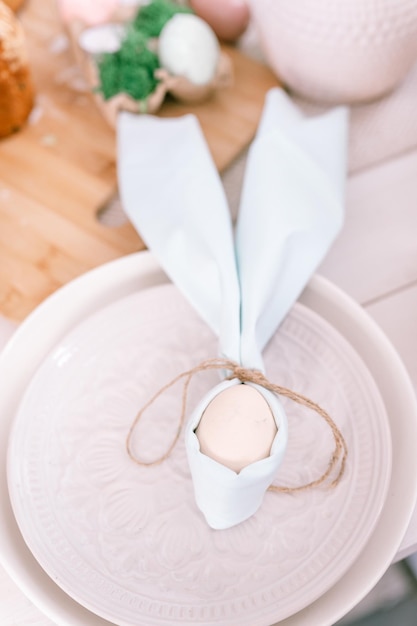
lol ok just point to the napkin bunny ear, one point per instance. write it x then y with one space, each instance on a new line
172 193
291 210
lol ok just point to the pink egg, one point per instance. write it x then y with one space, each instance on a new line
228 18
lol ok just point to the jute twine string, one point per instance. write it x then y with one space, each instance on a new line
339 454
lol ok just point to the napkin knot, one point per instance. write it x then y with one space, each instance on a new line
247 375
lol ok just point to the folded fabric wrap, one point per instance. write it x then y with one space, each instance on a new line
241 284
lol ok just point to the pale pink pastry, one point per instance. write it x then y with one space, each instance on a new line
89 13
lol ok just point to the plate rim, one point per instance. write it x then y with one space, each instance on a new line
141 269
376 493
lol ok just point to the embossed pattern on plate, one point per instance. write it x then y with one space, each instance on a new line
126 541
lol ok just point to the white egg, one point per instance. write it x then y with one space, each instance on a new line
188 47
102 38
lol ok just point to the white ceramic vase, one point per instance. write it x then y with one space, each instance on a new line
338 51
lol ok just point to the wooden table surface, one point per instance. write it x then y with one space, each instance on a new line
58 173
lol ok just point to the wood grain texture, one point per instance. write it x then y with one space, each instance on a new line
60 170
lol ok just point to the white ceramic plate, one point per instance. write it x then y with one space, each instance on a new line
128 542
70 305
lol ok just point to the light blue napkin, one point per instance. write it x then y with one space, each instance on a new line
242 284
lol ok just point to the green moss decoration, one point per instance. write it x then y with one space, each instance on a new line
152 17
130 70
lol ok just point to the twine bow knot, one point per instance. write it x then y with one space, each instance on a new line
245 375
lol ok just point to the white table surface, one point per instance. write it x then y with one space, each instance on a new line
374 260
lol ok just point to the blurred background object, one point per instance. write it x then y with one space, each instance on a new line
14 4
90 12
16 91
228 18
338 52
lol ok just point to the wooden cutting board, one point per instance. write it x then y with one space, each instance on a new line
59 171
